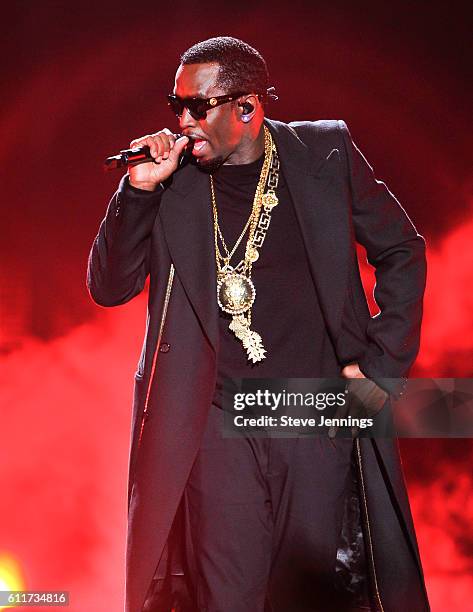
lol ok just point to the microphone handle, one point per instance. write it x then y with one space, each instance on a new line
139 155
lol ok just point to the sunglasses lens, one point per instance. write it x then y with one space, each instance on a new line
201 110
196 107
176 105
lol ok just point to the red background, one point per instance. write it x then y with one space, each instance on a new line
82 80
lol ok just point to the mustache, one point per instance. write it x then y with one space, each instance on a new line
194 136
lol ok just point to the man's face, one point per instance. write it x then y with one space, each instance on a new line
220 133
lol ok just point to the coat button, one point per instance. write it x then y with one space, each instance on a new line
164 347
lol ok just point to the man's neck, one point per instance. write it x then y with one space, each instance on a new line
251 148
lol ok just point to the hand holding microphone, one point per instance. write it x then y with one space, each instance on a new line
152 159
165 151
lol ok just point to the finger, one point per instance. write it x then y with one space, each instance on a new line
158 146
167 140
171 139
164 145
139 142
179 146
149 141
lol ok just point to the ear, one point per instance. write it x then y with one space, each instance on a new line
248 107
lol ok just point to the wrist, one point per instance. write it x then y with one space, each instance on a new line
143 185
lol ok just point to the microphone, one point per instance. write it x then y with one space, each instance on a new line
140 155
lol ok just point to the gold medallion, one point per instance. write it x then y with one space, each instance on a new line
235 293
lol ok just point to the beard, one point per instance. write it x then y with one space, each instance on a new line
210 165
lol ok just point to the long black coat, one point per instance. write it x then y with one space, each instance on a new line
168 235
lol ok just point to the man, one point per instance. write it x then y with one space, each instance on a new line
251 524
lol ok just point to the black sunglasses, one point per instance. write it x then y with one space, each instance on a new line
198 107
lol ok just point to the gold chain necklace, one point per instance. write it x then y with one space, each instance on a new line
232 252
235 290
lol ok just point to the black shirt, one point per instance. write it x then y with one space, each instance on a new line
286 311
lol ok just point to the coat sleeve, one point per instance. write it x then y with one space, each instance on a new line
119 258
397 252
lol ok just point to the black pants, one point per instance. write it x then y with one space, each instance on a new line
269 525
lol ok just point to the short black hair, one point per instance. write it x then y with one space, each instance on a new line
242 68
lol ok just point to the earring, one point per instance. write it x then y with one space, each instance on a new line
245 118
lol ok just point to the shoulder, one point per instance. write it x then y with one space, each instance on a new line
323 130
320 136
321 139
320 126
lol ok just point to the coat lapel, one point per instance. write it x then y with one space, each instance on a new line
186 214
316 191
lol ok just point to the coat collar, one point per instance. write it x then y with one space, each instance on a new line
187 218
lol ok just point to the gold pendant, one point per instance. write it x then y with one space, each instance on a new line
235 292
251 340
270 200
252 254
